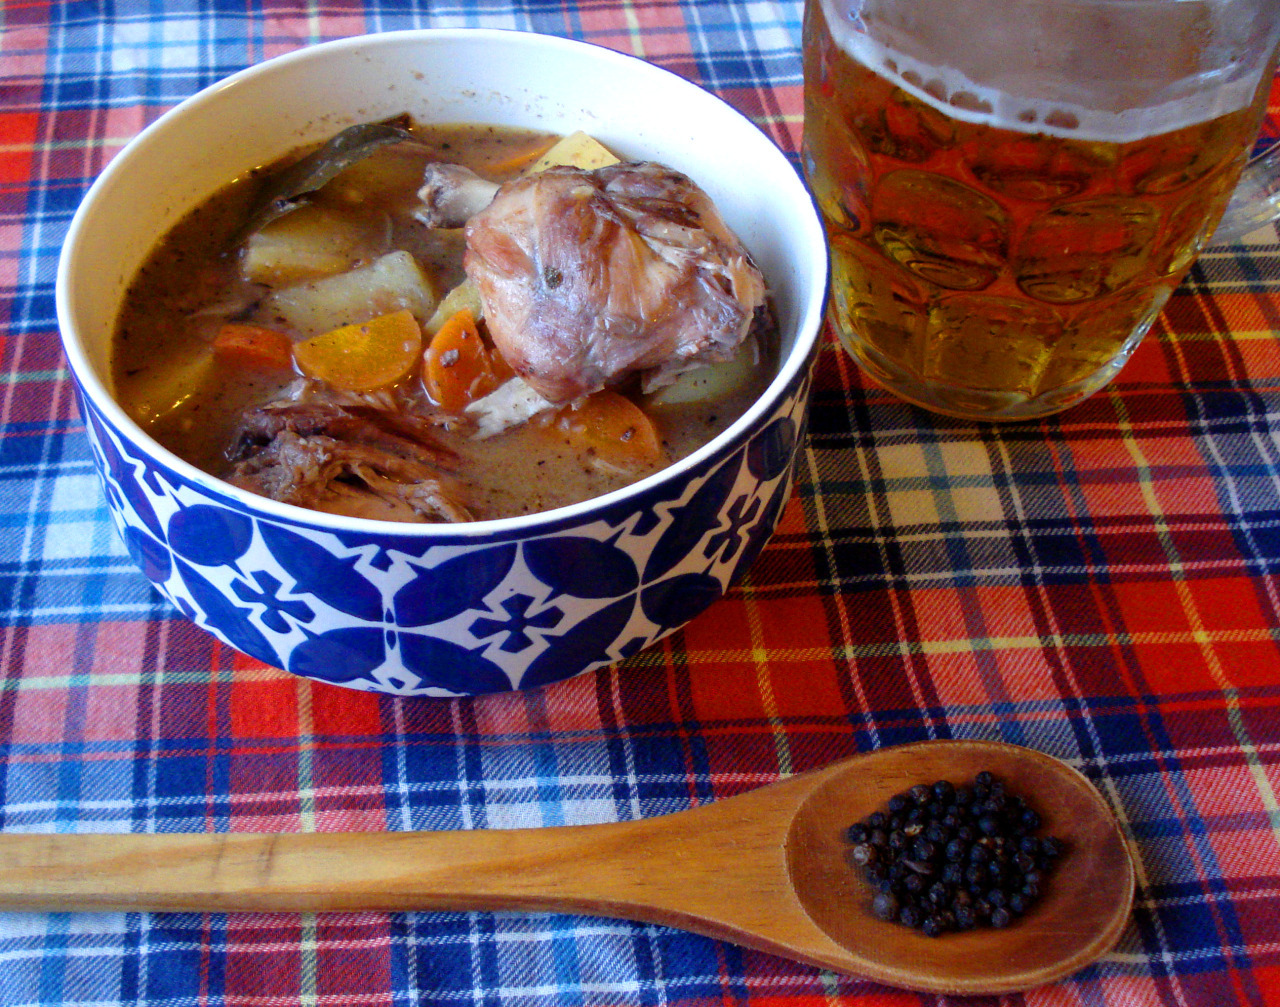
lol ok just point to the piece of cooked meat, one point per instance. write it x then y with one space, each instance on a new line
451 194
587 276
513 402
347 460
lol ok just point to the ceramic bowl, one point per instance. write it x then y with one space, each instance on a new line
445 610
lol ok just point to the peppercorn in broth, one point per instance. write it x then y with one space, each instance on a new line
338 357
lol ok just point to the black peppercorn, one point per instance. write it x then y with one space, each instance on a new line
922 849
943 857
885 906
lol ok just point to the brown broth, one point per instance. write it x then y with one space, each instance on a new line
167 378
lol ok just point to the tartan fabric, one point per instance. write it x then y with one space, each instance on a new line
1099 585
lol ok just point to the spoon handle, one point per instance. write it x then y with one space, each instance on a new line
715 870
315 872
271 873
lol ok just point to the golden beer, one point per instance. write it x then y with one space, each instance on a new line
997 269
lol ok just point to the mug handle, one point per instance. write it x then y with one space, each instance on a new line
1256 201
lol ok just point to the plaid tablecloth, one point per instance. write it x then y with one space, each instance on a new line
1100 586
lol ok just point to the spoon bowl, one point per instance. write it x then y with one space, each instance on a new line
767 869
1084 907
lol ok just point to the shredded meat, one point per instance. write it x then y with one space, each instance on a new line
588 276
350 460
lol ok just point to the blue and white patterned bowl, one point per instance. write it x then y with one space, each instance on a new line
445 610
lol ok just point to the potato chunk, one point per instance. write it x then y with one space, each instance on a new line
386 176
307 244
464 295
577 150
710 382
157 394
392 283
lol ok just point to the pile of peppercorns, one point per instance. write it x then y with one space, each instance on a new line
945 858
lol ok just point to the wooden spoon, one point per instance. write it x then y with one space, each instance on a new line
766 869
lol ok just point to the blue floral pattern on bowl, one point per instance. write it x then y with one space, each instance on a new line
453 613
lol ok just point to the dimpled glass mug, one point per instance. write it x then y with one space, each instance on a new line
1012 188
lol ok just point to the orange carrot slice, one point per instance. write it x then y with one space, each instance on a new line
253 346
616 431
365 356
516 162
457 367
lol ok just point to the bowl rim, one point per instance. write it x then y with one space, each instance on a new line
791 367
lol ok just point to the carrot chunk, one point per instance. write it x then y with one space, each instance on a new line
365 356
253 346
612 429
457 367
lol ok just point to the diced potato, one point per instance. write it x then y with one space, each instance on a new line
391 283
464 295
710 383
158 393
308 244
578 150
384 173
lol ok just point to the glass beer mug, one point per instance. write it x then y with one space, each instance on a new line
1012 188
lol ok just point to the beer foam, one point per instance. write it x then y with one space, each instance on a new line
955 94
